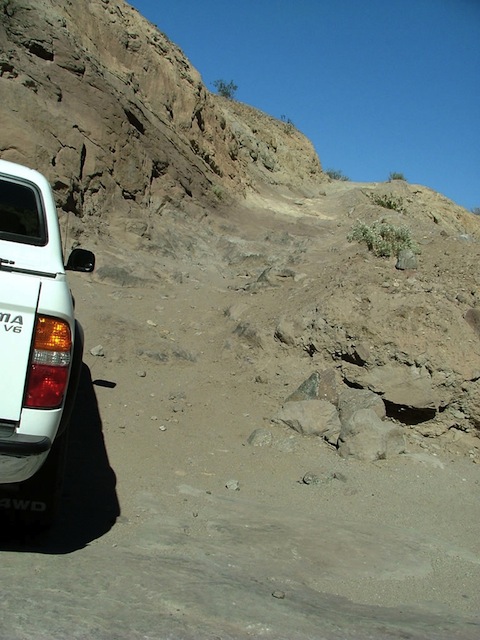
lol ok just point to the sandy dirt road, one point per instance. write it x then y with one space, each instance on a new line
174 527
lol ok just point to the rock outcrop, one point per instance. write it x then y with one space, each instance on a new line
102 102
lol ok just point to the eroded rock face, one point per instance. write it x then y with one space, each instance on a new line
99 100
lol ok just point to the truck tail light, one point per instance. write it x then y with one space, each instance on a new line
50 364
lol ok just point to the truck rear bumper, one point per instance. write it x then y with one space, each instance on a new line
22 456
22 446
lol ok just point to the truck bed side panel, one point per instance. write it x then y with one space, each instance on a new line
18 304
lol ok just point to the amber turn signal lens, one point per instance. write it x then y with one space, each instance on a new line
52 334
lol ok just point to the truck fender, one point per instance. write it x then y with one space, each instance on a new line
74 380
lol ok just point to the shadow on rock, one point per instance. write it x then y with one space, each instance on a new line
89 506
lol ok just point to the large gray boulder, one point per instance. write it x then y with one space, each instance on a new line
407 387
352 400
365 436
321 385
311 418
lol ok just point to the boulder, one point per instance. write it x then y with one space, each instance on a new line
407 259
365 436
472 316
311 418
470 402
321 385
352 400
405 386
286 332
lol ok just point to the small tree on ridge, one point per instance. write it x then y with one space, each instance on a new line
224 89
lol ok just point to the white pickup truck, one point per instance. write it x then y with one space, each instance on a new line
41 346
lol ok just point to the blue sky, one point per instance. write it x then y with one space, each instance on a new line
377 85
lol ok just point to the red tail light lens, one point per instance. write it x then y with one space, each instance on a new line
50 364
46 386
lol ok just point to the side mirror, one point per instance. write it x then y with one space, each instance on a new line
81 260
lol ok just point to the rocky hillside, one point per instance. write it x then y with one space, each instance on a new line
168 181
112 111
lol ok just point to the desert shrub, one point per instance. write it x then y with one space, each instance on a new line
388 201
336 174
382 238
218 192
224 89
396 175
288 124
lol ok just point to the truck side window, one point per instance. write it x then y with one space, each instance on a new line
20 214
